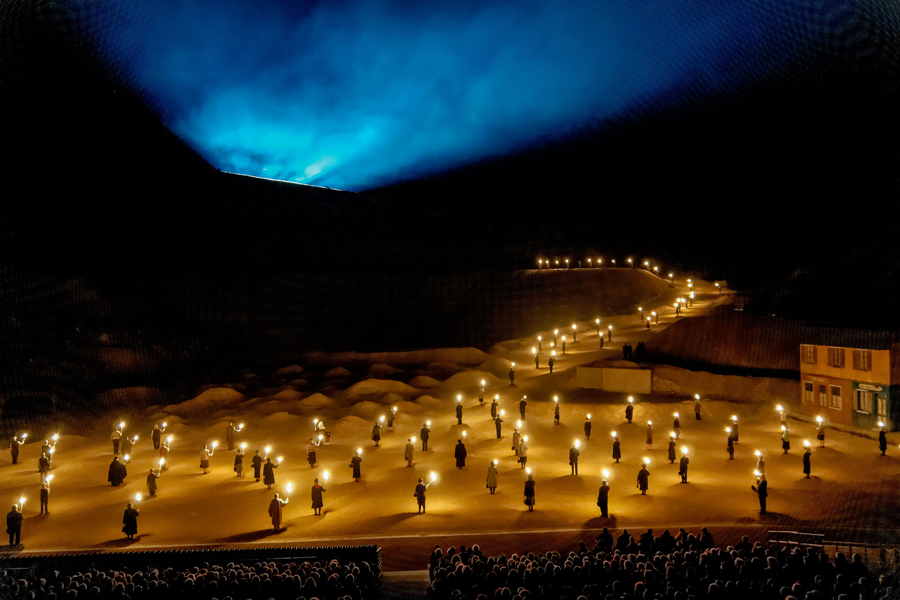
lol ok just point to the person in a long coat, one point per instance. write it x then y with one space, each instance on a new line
311 452
492 477
522 405
408 454
629 411
317 498
376 433
649 436
786 440
460 454
672 456
617 449
820 435
239 462
129 521
156 436
603 499
459 413
735 431
761 464
494 408
643 479
517 437
551 361
523 452
355 465
497 421
574 453
44 466
275 511
587 428
14 525
683 467
762 491
556 414
151 482
882 442
529 492
256 462
127 444
676 426
269 473
229 436
730 446
806 462
14 449
421 487
117 472
204 459
424 434
164 454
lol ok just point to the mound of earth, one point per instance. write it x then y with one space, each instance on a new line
424 382
317 401
471 379
382 371
441 370
375 386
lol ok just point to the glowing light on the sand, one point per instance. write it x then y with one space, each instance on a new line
734 417
428 423
672 434
676 415
646 263
671 275
578 443
268 449
728 429
21 502
502 413
513 365
496 396
556 398
605 473
755 472
819 419
412 440
279 459
589 417
241 426
610 328
806 443
170 438
56 437
533 350
126 457
613 434
122 425
564 338
244 446
553 353
381 418
315 422
630 261
696 396
690 280
162 461
464 435
646 461
649 422
556 332
656 269
325 475
214 444
49 479
289 488
321 437
359 451
758 453
494 462
482 383
783 428
51 451
459 398
528 470
684 450
518 424
433 478
137 497
881 424
631 399
24 435
164 424
525 439
539 338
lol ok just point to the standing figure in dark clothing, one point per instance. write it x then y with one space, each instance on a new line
276 511
256 462
115 437
629 410
239 462
523 403
151 482
551 360
734 429
494 406
44 467
408 452
129 520
14 449
603 499
730 446
512 378
376 432
269 473
420 495
574 453
229 435
14 525
311 446
556 410
529 493
762 490
156 436
127 444
355 465
517 438
587 428
672 450
882 439
459 410
497 422
697 416
460 454
317 503
117 472
537 359
481 394
676 426
683 465
564 345
424 434
649 435
45 498
806 462
391 416
617 448
643 479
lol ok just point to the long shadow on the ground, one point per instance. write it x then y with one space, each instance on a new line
249 536
122 542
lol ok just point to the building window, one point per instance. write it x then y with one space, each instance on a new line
862 360
808 354
808 392
823 396
881 405
863 401
836 397
836 357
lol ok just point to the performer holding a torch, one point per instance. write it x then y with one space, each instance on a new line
317 491
129 519
276 506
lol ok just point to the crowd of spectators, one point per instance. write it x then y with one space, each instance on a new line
664 567
261 581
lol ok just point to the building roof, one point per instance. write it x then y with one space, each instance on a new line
868 339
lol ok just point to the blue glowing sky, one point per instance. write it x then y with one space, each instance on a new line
354 95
